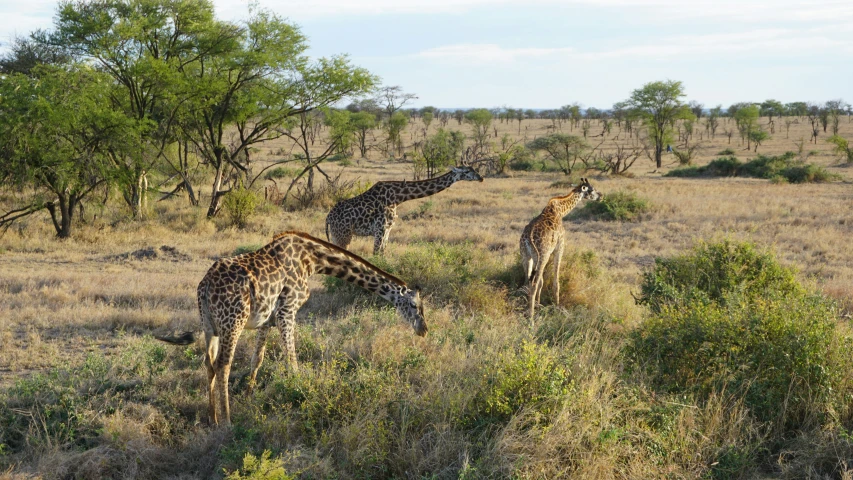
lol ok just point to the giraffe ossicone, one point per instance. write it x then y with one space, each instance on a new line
544 236
372 214
258 289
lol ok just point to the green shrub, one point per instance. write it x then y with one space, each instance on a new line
530 376
688 172
727 152
616 206
728 318
779 169
724 167
764 166
280 172
240 204
777 351
713 272
262 468
249 248
808 173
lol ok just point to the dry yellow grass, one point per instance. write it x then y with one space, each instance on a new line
63 300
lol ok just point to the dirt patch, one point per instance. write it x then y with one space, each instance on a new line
164 252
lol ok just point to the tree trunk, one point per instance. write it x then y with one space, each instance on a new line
62 218
658 153
216 195
310 182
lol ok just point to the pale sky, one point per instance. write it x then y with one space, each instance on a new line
548 53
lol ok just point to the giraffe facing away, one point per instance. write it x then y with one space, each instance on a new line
265 288
544 236
372 213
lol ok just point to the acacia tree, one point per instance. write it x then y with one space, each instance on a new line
564 150
56 138
142 45
262 79
747 122
659 105
714 119
441 150
25 53
480 119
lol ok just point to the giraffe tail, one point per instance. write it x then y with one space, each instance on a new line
185 338
529 270
327 230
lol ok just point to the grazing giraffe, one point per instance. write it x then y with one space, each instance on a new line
545 235
266 287
372 213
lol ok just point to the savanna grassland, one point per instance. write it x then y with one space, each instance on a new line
584 392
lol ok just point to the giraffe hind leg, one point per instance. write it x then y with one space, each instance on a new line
210 358
258 356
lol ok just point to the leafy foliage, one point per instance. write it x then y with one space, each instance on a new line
260 468
564 150
784 166
730 318
615 206
240 205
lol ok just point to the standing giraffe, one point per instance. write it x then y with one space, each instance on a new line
266 287
545 235
372 213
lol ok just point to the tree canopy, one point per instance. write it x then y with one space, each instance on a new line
659 105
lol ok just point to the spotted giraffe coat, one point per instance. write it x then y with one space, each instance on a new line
372 214
544 236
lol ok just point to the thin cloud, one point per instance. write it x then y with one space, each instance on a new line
753 11
489 53
768 41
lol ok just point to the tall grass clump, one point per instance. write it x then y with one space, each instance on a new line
729 319
616 206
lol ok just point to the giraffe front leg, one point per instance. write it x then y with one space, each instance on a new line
380 241
285 317
258 356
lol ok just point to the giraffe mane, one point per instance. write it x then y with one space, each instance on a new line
342 251
563 197
408 183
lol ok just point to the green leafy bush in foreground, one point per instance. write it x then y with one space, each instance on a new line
728 318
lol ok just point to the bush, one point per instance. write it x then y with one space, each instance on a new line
249 248
808 173
616 206
530 376
712 273
727 152
777 351
262 468
686 172
280 172
728 318
779 169
240 204
724 167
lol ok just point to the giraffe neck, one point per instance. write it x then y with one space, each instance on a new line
561 206
405 191
331 260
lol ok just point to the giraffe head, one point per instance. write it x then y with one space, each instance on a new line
410 306
466 173
588 191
